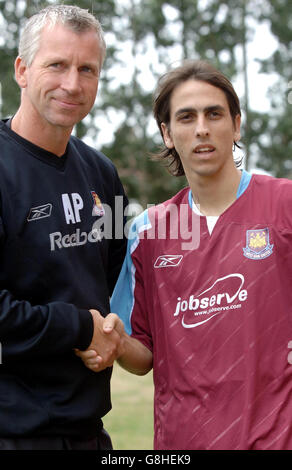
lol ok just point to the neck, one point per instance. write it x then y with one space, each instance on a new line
54 139
213 195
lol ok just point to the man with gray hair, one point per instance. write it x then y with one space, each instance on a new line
57 270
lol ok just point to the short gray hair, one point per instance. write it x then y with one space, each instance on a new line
73 17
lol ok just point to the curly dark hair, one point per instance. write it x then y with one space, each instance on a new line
198 70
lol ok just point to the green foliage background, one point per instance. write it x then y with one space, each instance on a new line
210 29
130 422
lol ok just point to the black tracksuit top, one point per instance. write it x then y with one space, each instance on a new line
55 264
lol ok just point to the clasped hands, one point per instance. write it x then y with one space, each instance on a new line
107 343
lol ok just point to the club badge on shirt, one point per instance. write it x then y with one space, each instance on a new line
258 244
97 205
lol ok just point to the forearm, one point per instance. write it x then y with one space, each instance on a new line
27 330
136 358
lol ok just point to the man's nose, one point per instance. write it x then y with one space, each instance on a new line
202 128
71 81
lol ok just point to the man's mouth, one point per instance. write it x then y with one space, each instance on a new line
67 104
204 149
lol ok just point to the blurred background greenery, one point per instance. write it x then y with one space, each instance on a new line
130 422
250 41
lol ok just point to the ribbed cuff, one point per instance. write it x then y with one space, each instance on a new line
86 329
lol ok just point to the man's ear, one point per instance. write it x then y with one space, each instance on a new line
167 136
20 70
237 123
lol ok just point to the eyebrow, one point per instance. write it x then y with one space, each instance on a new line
63 60
216 107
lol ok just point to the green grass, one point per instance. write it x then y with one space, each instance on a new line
130 422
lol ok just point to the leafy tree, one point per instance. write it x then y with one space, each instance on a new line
177 29
172 30
13 14
276 142
133 142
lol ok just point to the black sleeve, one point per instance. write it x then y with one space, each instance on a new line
27 330
56 328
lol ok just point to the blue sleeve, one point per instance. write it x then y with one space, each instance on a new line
123 298
244 182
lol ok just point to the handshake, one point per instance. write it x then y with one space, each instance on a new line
107 343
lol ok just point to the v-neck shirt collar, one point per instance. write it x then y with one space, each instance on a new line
38 152
211 219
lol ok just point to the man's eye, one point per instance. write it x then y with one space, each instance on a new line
185 117
214 114
55 65
88 69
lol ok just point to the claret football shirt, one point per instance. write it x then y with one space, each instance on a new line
215 309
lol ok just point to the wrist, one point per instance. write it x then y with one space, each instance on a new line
86 329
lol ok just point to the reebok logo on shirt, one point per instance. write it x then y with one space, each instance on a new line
39 212
166 261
